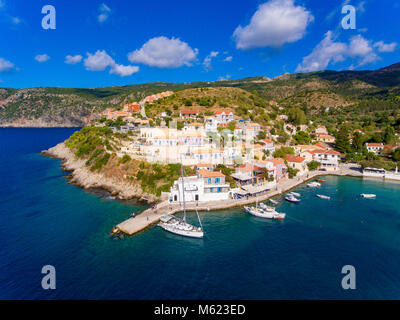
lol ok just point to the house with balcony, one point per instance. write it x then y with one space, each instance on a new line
224 116
376 148
205 186
297 162
188 114
329 159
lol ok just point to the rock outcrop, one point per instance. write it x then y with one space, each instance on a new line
83 177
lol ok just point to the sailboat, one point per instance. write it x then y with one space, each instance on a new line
178 225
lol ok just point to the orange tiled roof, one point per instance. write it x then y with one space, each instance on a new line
292 158
210 174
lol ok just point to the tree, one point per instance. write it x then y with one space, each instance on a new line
297 116
261 135
396 154
313 165
342 140
358 141
302 137
389 134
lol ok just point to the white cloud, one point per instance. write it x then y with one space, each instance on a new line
73 59
123 71
275 23
101 60
329 51
5 65
104 13
325 52
227 77
98 61
15 20
360 47
385 47
42 58
207 61
228 59
163 52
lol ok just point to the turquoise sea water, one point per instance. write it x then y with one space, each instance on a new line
44 220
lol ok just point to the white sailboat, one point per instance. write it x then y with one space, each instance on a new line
178 225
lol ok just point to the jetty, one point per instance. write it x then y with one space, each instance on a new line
152 215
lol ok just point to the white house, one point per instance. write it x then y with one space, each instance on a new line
211 124
376 148
268 145
224 116
206 186
329 159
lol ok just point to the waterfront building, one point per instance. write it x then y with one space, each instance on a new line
280 168
297 162
205 186
329 159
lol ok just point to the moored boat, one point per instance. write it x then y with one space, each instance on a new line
292 198
321 180
269 213
273 201
313 184
323 197
368 195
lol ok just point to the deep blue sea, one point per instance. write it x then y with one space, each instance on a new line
45 221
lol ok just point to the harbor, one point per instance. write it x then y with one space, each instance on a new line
152 215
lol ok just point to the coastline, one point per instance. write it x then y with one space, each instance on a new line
149 217
83 177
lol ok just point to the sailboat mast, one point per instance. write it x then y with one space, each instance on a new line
183 192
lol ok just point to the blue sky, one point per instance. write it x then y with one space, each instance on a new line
127 42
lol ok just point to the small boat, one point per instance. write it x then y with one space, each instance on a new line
110 198
323 197
268 213
321 180
313 184
368 195
273 201
296 194
292 198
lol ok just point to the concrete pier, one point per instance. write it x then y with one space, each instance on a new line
151 216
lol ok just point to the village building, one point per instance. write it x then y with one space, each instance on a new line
321 130
325 138
376 148
268 146
205 186
297 162
188 114
329 159
224 116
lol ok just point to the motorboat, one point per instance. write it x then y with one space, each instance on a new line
323 197
313 184
268 213
321 180
292 198
368 195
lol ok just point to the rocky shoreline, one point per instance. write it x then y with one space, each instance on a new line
83 177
